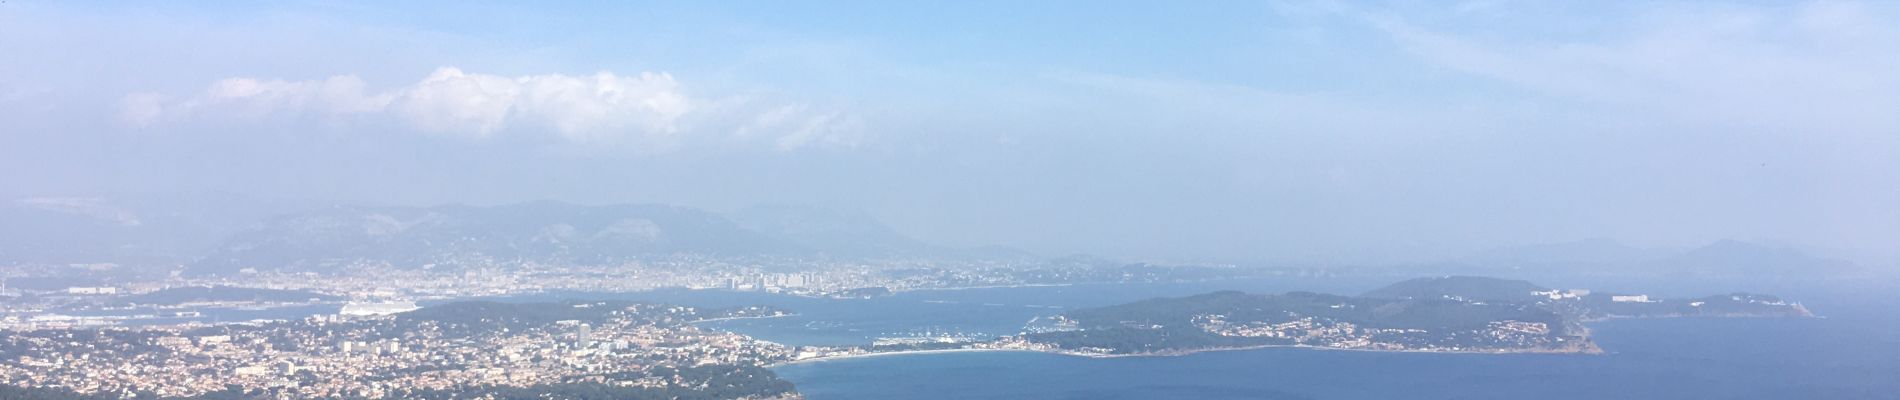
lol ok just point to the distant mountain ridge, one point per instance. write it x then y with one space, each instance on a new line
225 233
548 232
124 229
1730 257
1465 287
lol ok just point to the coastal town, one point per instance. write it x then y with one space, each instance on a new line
360 333
449 348
143 300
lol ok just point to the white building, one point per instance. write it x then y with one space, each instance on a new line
1640 298
92 290
368 309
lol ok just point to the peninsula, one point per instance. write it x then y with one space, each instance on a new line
1442 314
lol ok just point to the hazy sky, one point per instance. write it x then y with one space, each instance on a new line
1275 131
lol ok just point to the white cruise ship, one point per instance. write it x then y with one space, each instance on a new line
356 309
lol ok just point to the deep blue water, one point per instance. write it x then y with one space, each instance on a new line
1853 353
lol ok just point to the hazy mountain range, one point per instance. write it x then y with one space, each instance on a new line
131 229
223 234
223 238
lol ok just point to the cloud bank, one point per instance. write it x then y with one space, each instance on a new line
601 108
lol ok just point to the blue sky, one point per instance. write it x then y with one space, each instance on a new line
1305 132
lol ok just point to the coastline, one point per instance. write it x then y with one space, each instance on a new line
740 318
1590 348
901 353
1026 285
1179 352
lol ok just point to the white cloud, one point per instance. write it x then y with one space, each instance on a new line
647 108
454 102
583 106
141 109
599 107
259 98
797 126
831 129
